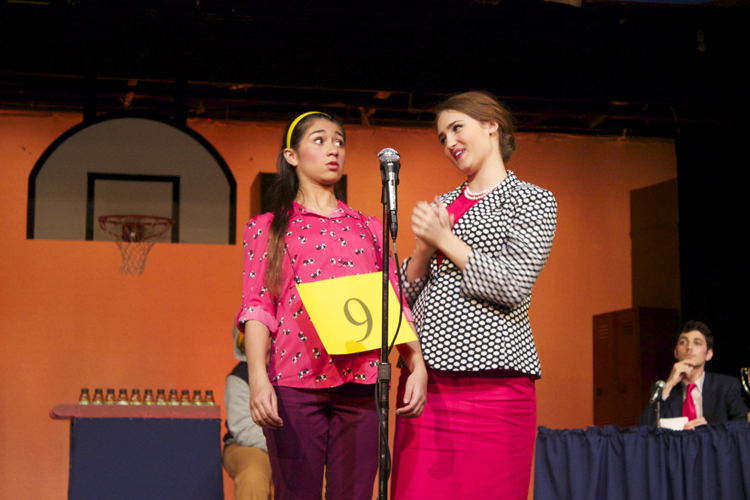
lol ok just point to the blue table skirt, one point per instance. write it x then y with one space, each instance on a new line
142 458
710 462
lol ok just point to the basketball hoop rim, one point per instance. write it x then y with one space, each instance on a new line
137 219
134 235
153 226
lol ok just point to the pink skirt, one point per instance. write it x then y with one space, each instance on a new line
474 440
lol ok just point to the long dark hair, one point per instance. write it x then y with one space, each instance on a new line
282 193
484 107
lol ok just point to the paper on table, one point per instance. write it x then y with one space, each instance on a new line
676 424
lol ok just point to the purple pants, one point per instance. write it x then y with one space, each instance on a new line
335 429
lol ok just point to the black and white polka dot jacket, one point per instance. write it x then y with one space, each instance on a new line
478 319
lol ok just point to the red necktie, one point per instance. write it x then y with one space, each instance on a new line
688 407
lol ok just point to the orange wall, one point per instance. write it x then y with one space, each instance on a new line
68 319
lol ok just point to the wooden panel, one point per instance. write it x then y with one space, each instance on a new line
632 349
658 338
627 358
605 371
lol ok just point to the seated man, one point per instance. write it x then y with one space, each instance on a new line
712 399
245 452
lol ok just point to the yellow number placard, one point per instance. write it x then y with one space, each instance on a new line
347 313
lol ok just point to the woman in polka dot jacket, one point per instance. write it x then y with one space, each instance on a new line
317 410
479 250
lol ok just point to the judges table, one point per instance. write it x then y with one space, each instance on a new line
143 452
710 462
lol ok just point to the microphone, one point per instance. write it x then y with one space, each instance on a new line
389 166
656 390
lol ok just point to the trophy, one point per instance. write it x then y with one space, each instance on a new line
745 379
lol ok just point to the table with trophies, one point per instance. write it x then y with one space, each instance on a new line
711 461
129 450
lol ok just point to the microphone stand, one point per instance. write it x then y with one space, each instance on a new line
389 167
384 368
656 398
658 410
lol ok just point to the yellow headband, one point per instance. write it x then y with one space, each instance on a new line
294 124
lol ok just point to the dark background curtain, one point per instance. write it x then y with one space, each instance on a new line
713 177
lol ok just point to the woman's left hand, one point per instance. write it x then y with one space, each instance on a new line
432 223
415 394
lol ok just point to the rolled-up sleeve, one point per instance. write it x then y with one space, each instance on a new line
507 277
257 302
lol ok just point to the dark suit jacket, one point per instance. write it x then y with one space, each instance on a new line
722 401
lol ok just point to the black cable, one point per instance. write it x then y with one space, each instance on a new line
400 296
383 434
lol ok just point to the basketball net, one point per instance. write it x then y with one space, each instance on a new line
134 235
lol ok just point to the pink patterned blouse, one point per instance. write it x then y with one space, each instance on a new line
319 248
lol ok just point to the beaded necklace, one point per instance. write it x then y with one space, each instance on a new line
478 196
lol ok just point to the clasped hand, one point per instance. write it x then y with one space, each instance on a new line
431 224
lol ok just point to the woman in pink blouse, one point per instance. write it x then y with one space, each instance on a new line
317 410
